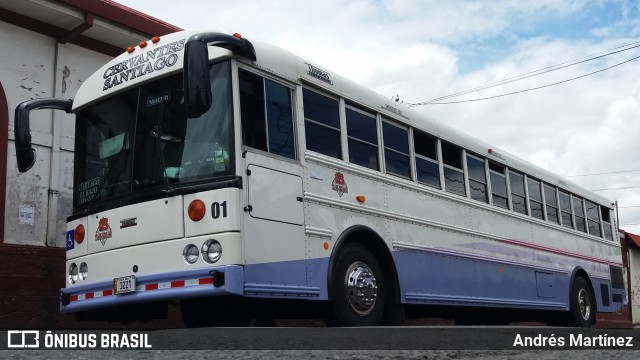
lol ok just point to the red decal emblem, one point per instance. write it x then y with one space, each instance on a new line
104 231
339 184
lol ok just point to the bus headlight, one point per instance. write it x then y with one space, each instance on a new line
84 271
73 273
190 253
211 251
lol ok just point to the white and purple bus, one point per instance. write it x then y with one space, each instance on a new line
218 172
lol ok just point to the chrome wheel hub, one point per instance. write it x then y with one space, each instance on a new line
584 304
361 288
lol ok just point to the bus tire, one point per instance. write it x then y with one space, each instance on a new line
358 288
582 305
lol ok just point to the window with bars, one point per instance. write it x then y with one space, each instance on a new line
362 134
565 210
477 179
593 219
535 198
499 195
396 150
551 203
267 115
427 168
518 194
322 123
606 222
578 213
452 166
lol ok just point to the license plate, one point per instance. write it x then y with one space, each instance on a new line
125 284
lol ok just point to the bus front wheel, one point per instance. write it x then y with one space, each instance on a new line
358 288
583 309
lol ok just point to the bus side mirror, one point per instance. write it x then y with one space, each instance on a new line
25 153
197 86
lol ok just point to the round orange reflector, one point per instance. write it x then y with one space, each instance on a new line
155 39
238 35
196 210
361 198
142 44
131 49
78 234
326 246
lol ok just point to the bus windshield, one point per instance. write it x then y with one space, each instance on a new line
141 142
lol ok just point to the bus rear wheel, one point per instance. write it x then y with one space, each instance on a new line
358 288
583 309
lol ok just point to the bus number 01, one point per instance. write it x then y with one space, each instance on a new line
215 209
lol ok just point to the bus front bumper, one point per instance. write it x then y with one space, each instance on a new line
214 281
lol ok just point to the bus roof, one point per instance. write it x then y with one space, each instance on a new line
166 56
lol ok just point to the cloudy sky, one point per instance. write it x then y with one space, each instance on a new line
587 129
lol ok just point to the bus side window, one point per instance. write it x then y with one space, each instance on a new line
362 134
593 219
578 211
280 119
606 222
452 162
426 149
477 178
322 123
267 118
551 201
396 150
535 198
498 185
518 199
565 210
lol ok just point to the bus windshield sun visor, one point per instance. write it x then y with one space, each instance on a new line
25 154
196 67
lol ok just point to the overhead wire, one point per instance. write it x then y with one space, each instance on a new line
526 90
627 47
617 188
603 173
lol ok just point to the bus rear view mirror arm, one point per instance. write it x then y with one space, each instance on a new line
26 154
197 86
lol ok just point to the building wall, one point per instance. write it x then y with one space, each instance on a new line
36 66
634 286
37 203
30 282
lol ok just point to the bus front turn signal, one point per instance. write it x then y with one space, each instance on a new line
196 210
78 234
